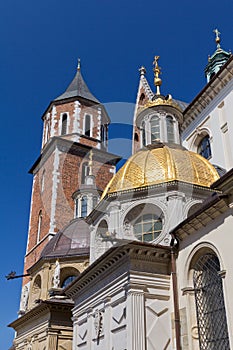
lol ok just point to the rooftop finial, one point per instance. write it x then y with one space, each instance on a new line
157 72
90 163
142 71
79 64
217 38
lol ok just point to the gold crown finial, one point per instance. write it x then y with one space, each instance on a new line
90 163
79 64
217 38
142 70
157 72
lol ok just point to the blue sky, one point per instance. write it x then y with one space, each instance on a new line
40 43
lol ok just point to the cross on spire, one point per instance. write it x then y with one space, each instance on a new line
157 72
217 38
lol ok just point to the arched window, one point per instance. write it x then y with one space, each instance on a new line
84 206
210 306
170 129
95 201
64 124
143 134
39 226
67 281
85 171
147 227
102 229
76 207
36 288
87 130
204 148
155 129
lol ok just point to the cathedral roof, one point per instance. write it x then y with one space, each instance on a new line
74 239
78 88
159 164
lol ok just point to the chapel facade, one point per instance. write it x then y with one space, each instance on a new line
138 259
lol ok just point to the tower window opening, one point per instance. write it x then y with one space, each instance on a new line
87 130
84 206
95 201
85 171
143 134
170 129
204 148
136 137
67 281
76 207
64 124
210 306
155 129
147 227
39 226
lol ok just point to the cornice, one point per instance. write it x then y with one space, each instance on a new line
115 256
210 210
82 101
43 307
68 146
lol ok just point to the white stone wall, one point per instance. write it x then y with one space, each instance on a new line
129 312
217 236
216 120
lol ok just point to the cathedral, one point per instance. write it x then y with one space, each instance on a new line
139 258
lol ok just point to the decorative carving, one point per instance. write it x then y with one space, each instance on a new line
98 323
128 229
56 276
24 299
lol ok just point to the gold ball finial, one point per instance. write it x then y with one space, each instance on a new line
157 72
217 37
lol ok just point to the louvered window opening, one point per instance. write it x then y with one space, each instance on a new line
210 306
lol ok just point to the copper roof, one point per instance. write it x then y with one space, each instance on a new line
74 239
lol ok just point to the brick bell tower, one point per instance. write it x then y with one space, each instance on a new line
75 129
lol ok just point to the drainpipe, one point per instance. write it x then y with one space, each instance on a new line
174 248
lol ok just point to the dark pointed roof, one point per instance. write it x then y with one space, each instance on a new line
78 88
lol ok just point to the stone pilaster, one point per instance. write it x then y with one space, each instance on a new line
52 339
136 320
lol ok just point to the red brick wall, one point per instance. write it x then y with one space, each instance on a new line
70 166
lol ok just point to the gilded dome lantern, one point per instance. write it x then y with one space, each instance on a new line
159 119
161 158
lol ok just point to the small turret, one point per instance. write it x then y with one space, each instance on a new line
217 60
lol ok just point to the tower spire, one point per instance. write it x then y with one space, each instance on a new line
216 61
157 72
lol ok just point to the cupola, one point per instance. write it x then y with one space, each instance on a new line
217 60
159 118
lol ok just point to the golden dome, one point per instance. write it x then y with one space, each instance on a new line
160 165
